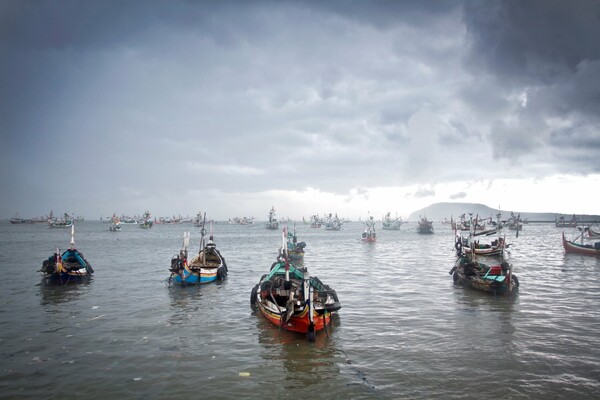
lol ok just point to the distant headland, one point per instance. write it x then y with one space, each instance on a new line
443 211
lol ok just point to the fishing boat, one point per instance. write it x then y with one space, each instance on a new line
495 279
17 219
472 243
514 223
467 224
315 221
333 223
115 227
390 223
207 266
295 248
369 235
198 220
591 232
272 223
65 222
561 222
424 226
146 221
293 300
70 266
571 246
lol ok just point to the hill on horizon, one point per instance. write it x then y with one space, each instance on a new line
446 210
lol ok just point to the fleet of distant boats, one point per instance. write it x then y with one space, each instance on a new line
292 299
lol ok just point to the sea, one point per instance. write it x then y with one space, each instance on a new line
405 330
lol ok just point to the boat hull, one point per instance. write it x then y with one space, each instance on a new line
299 322
575 248
478 277
290 299
71 266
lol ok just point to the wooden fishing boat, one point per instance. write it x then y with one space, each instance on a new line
390 223
315 221
369 235
495 279
571 246
295 248
146 221
424 226
272 223
561 222
70 266
472 243
333 223
468 245
207 266
65 222
591 233
17 219
293 300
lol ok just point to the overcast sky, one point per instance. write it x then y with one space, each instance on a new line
353 107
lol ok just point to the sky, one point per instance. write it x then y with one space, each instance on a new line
350 107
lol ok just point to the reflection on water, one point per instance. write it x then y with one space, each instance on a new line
185 302
304 367
56 293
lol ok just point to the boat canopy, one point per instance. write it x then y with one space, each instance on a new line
279 269
73 255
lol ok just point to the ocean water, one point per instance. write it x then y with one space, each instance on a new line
405 330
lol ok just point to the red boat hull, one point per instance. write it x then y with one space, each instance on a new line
298 323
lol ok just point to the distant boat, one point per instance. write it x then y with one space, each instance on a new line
291 299
207 266
115 226
146 221
70 266
65 222
424 226
580 248
241 221
272 223
560 222
472 244
591 233
515 223
315 221
17 219
333 223
295 248
390 223
369 235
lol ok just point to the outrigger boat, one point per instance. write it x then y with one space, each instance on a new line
208 266
495 279
70 266
291 299
571 246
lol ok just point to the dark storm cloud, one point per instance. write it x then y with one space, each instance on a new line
546 54
149 99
